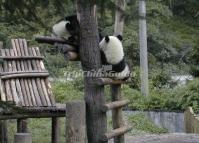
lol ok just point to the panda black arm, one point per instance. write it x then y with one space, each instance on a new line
103 58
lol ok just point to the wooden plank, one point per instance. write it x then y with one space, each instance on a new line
30 68
16 67
28 94
113 105
36 61
15 54
36 93
117 117
12 67
22 53
2 84
39 85
7 82
33 81
31 92
19 53
27 54
115 133
41 94
24 92
33 62
42 80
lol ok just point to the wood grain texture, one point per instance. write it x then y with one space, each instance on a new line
76 122
90 60
117 117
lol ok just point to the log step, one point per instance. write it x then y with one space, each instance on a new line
109 81
116 132
115 104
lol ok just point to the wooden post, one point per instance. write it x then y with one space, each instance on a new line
117 117
22 138
3 132
22 126
143 48
55 130
91 61
119 17
76 122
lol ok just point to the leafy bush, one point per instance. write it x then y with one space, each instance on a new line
177 99
67 91
141 123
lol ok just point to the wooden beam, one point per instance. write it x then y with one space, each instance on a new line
21 57
25 75
113 105
53 40
117 132
108 81
35 115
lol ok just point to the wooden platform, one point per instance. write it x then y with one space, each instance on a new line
24 79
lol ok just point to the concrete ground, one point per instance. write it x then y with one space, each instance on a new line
163 138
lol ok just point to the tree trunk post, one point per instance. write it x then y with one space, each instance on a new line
55 137
75 122
119 17
91 61
117 117
143 48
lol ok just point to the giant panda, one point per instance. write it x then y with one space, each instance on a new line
112 54
67 28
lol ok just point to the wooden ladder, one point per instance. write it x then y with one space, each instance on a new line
119 128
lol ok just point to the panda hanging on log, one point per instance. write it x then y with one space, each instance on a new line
65 36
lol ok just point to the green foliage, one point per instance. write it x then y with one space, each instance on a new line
140 123
165 99
40 130
67 91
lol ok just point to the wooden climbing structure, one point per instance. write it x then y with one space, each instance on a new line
25 90
119 127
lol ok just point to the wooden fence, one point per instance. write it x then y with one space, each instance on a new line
191 121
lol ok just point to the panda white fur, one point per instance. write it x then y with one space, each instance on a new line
112 54
67 28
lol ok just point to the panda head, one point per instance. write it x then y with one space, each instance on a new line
112 48
66 27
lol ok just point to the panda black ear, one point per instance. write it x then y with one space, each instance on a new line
107 39
120 37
